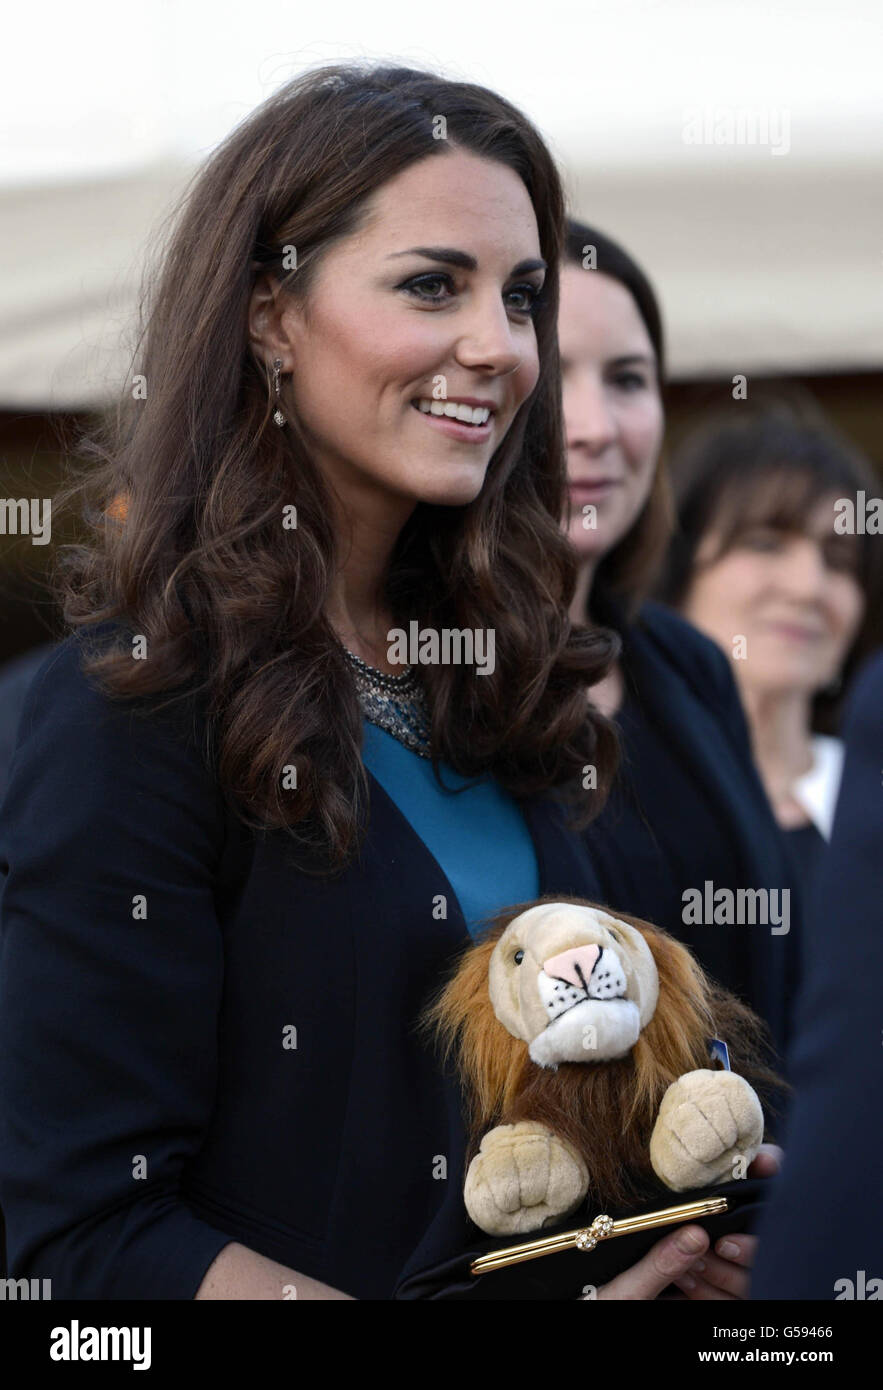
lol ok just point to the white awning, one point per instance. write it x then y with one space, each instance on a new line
736 148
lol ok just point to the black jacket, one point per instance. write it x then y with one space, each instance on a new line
692 725
153 955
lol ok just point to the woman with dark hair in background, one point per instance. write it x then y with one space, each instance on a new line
767 560
688 808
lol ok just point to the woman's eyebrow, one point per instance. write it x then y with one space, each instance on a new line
463 260
631 357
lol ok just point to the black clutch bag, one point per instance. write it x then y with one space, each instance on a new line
562 1262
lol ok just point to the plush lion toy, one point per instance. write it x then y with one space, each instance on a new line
583 1045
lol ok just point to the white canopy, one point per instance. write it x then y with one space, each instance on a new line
735 147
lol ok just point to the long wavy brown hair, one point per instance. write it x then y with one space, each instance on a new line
605 1110
182 492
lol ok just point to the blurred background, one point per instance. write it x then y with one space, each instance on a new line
734 147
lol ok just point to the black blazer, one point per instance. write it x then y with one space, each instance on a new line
823 1236
685 688
15 679
154 953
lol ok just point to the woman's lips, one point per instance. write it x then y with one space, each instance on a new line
591 492
471 434
796 632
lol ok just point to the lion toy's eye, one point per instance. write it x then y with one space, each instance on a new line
518 957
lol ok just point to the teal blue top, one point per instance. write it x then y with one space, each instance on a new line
479 836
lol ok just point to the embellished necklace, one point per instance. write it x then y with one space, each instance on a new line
397 704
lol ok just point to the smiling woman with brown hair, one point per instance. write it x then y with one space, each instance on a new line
249 548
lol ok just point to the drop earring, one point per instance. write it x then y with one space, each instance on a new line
277 413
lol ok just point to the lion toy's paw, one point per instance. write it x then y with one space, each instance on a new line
522 1178
708 1121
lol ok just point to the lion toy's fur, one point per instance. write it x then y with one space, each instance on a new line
582 1041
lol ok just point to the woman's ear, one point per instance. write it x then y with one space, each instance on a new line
266 327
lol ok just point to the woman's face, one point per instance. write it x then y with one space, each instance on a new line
793 597
612 409
388 325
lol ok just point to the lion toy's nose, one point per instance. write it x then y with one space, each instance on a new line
574 966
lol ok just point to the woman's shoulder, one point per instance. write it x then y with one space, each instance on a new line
63 683
696 657
73 734
59 678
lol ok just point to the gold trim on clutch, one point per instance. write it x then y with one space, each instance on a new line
602 1228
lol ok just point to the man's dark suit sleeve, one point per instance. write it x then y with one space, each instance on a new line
110 978
825 1222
